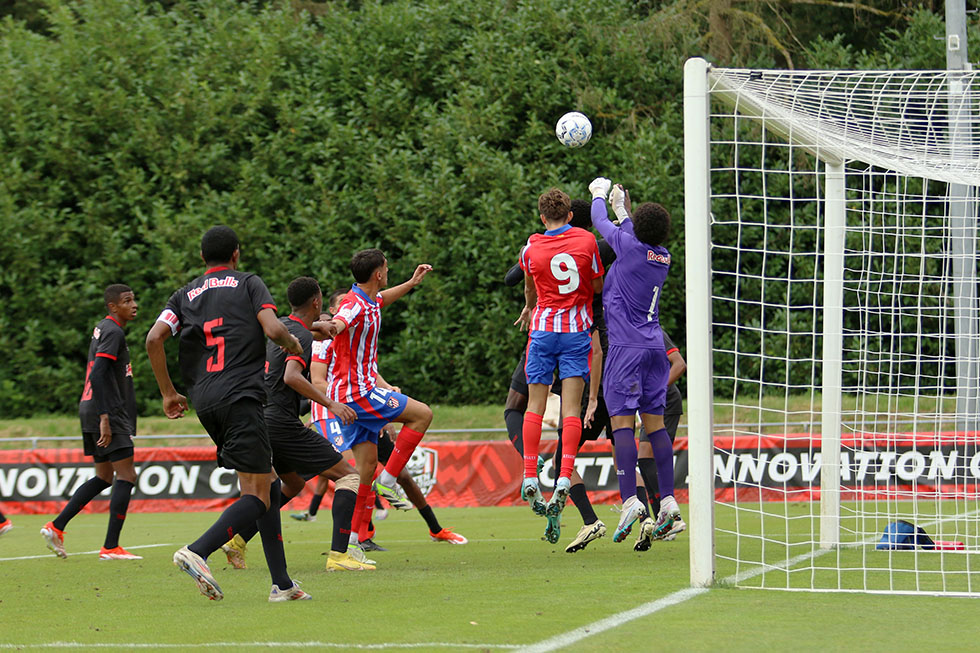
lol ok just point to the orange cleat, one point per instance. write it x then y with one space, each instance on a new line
447 535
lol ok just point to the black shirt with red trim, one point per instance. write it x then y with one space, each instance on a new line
222 344
116 387
675 402
282 402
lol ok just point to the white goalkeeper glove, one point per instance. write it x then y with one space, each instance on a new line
599 187
617 200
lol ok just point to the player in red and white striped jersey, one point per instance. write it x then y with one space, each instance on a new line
562 271
352 377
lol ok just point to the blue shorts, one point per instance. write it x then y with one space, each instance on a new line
634 379
374 411
571 353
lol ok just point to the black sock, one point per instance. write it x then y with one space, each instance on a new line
85 493
284 500
2 519
430 519
514 419
315 504
270 528
648 470
342 511
236 517
580 498
377 503
118 505
641 494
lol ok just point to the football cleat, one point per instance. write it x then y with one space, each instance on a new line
390 495
676 528
588 533
669 513
54 539
294 593
531 493
632 510
558 499
552 532
196 567
370 545
646 535
303 516
117 553
337 561
447 535
5 526
235 549
355 551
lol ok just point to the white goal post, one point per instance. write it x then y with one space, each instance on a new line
832 328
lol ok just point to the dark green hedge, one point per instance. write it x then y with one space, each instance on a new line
424 128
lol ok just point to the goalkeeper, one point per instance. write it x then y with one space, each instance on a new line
637 369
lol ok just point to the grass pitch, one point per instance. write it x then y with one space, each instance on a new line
507 589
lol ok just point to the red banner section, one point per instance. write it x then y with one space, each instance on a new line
747 468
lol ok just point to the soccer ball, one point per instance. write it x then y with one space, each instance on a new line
573 129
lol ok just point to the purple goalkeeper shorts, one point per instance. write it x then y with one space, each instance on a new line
634 379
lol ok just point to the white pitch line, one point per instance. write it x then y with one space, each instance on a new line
144 645
81 553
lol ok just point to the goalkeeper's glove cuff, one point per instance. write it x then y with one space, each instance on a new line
621 213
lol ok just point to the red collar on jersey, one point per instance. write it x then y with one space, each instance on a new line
109 317
218 269
296 319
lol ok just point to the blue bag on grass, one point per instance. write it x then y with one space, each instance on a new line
902 535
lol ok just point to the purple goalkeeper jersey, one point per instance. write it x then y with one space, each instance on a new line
631 294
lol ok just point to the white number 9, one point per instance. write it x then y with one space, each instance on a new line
567 276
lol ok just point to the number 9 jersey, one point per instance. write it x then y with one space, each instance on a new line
222 345
563 263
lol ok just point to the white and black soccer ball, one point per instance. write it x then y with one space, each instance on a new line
573 129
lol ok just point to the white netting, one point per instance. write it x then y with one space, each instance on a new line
908 446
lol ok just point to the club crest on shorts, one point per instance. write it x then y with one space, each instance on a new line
392 402
423 466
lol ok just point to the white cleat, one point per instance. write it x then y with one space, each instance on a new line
588 533
557 504
531 493
676 528
632 510
196 567
294 593
669 513
357 553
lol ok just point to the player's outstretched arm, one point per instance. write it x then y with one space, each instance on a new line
399 291
530 301
619 200
293 377
174 403
277 332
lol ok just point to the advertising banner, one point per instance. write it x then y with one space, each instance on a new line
482 473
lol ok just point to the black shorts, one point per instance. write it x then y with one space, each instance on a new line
670 425
518 380
385 446
238 430
301 450
120 448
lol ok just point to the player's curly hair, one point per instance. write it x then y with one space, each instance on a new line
365 262
554 205
113 293
301 290
581 214
218 244
651 224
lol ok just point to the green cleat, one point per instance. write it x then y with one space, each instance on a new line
391 495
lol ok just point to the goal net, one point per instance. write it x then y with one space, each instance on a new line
832 317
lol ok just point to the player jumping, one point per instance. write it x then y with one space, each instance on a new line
562 271
637 368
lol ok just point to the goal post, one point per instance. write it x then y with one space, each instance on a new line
832 326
